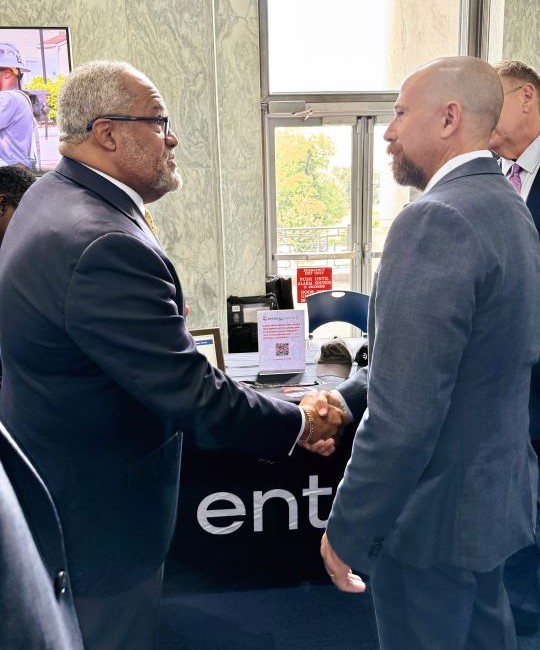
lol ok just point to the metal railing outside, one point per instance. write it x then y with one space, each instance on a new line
322 239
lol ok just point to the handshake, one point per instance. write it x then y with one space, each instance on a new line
325 419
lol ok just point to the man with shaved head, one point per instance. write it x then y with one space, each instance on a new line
441 485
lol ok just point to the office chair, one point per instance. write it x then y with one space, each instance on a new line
329 306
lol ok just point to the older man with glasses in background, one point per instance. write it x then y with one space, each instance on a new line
516 139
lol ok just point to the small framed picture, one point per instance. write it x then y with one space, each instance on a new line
208 342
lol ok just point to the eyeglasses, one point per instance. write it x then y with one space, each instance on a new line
163 121
514 90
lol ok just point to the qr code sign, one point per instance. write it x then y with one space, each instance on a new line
282 349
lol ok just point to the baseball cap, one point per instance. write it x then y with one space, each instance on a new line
10 58
334 359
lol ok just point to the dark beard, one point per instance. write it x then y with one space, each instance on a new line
406 172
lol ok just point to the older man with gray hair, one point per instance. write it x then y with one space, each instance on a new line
101 376
516 139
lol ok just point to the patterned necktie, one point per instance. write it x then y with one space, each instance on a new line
150 223
515 178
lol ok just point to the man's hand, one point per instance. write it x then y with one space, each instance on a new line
320 400
321 447
326 412
320 430
339 572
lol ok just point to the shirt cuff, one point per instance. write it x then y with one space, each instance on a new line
343 405
301 430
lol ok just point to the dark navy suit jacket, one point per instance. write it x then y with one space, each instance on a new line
36 604
101 375
533 203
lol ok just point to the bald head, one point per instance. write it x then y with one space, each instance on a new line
471 82
446 108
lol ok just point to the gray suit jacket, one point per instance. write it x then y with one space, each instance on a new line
36 605
101 376
442 469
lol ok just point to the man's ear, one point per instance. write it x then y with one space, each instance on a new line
528 92
104 134
451 118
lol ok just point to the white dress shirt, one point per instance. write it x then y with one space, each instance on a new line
529 161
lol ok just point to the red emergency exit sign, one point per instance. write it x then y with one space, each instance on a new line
312 280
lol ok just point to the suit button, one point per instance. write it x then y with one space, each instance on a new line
375 549
60 584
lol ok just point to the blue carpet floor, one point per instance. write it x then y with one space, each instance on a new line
318 617
529 642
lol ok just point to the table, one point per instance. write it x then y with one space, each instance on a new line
279 510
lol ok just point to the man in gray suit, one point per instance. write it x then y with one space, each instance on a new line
101 376
441 485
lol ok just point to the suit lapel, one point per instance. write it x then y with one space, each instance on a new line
477 166
107 191
114 196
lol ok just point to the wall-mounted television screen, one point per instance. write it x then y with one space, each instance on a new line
35 61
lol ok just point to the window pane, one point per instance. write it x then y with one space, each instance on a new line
496 31
313 202
388 197
313 197
355 45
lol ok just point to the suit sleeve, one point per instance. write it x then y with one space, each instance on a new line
423 310
121 309
354 393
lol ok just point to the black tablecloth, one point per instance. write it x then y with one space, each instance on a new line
273 545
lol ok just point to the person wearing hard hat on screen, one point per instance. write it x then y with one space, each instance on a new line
16 117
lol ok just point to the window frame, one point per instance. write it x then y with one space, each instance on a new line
278 109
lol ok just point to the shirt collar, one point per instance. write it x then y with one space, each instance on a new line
457 161
136 198
529 159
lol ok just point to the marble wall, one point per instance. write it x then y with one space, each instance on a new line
520 31
415 40
203 56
